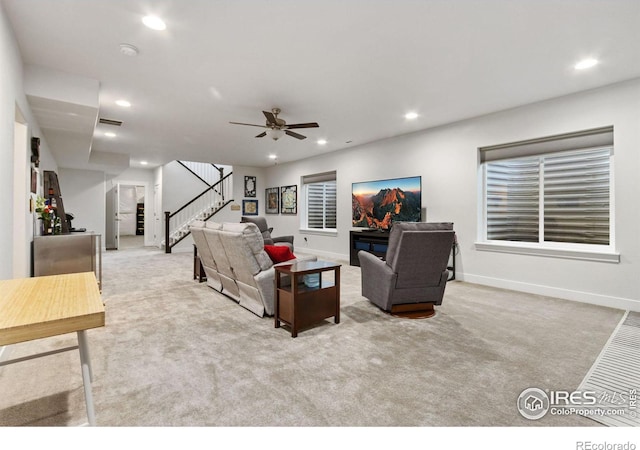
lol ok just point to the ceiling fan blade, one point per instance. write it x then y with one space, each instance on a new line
271 119
249 124
263 134
295 135
302 125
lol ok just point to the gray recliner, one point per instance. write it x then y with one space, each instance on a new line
414 273
261 222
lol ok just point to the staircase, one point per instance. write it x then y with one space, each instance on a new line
202 207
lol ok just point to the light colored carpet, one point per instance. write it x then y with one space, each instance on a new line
128 241
615 377
176 353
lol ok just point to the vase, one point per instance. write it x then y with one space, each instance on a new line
45 229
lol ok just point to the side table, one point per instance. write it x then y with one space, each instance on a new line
198 270
299 305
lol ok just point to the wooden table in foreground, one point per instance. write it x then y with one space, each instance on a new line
40 307
299 305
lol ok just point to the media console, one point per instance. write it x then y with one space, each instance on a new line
376 242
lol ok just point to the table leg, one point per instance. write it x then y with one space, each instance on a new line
276 300
85 364
195 261
336 319
296 309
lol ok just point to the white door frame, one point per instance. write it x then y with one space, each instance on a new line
21 197
157 215
148 194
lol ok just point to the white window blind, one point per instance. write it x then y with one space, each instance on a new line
513 200
556 196
320 195
576 197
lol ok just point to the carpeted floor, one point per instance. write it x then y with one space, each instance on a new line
175 353
128 242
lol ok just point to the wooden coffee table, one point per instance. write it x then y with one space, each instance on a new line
299 305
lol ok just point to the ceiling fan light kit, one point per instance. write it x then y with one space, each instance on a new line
276 127
275 133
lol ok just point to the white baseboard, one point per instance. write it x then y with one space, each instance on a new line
626 304
181 249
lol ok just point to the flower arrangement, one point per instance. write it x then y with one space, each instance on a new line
47 213
43 209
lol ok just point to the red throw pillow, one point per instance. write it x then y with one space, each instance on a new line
279 253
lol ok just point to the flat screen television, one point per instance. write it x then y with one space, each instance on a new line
378 204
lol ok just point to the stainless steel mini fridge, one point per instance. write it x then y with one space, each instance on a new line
68 253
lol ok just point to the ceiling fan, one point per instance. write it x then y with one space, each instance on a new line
276 127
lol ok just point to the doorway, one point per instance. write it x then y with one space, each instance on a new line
126 225
130 215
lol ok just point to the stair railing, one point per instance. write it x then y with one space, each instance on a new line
208 173
202 207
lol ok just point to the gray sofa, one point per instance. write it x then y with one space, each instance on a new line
261 222
236 264
414 273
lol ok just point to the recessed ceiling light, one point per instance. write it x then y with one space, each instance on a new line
128 50
123 103
144 163
153 22
586 63
322 142
110 134
411 115
273 156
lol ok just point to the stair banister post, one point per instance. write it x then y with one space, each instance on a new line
167 244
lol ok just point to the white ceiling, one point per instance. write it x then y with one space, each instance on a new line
354 66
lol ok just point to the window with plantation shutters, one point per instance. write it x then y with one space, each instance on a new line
576 197
513 200
320 201
552 191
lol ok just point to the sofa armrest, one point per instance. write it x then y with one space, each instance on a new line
288 239
370 262
265 280
378 280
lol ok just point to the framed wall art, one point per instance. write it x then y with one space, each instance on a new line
34 180
249 186
272 200
289 199
249 207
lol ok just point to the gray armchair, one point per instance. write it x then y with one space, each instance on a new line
261 222
414 273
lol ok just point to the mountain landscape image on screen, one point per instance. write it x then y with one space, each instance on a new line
379 204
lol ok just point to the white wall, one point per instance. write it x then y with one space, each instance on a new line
178 186
83 194
53 84
447 159
12 100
